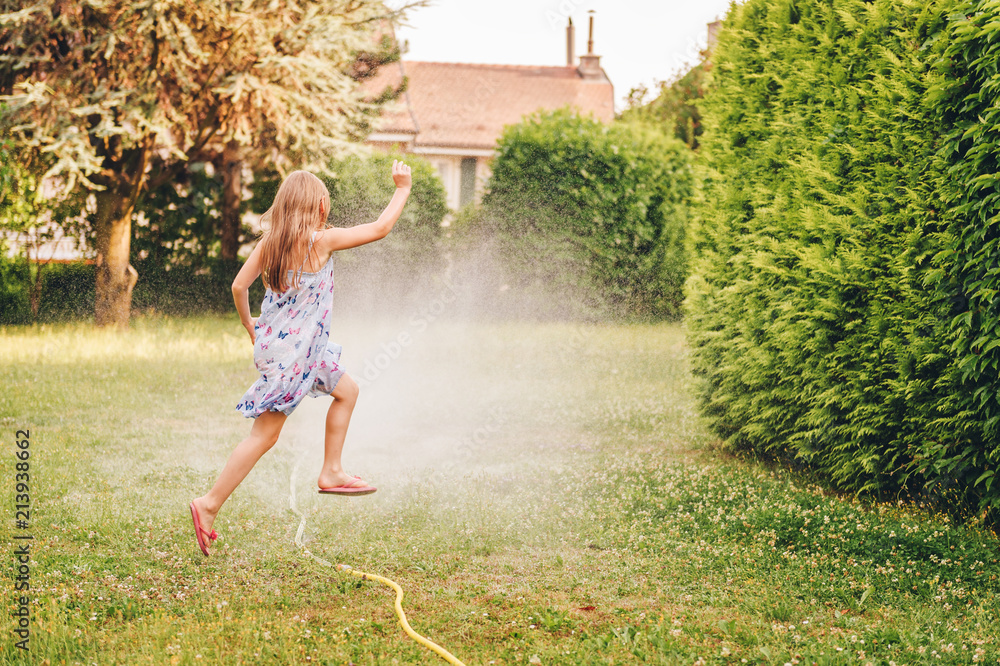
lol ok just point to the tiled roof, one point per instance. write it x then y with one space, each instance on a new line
459 105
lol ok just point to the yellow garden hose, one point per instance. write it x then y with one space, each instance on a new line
447 656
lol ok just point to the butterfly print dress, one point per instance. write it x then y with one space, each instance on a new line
292 350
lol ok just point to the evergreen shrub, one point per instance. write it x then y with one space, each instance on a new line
966 275
842 302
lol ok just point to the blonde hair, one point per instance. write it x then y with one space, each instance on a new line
287 225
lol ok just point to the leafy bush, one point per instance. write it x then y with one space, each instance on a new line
180 221
842 302
15 278
67 292
182 290
360 191
17 210
601 204
675 108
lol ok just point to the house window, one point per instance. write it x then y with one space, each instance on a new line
467 188
443 172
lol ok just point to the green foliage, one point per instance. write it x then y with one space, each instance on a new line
14 271
404 261
186 290
180 77
606 205
845 309
15 275
966 277
826 303
178 222
107 100
67 290
675 108
361 187
18 191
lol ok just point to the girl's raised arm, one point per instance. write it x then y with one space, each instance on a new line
241 289
338 238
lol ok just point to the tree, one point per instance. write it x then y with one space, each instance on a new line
675 109
106 100
229 160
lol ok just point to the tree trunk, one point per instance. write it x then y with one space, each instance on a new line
115 276
35 293
232 198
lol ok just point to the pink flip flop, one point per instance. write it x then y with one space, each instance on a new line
199 533
349 489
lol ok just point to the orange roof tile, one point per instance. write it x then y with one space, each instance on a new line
458 105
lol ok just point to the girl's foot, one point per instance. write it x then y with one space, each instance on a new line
340 483
205 514
329 479
204 534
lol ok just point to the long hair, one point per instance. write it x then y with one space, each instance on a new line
287 225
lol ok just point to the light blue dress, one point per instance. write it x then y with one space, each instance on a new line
292 349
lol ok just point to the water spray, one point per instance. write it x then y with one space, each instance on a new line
344 568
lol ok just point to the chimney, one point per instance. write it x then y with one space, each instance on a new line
590 37
570 44
590 64
713 34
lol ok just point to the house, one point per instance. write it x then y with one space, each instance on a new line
453 113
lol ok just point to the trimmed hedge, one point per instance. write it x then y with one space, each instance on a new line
842 303
582 202
68 290
966 276
15 282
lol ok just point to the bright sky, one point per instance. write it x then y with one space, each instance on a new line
640 41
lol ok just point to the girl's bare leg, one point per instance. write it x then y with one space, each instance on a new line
345 396
263 435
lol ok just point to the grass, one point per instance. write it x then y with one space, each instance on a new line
547 495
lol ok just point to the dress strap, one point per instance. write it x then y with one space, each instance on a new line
312 237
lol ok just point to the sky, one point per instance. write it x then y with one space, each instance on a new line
640 41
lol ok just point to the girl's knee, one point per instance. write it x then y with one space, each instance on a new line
267 427
268 438
347 389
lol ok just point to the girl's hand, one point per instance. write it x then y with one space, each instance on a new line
401 175
250 329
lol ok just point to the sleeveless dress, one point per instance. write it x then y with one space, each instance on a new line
292 349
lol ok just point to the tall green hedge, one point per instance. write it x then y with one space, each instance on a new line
967 272
842 303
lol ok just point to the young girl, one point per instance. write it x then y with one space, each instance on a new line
291 338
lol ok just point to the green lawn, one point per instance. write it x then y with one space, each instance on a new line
547 494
